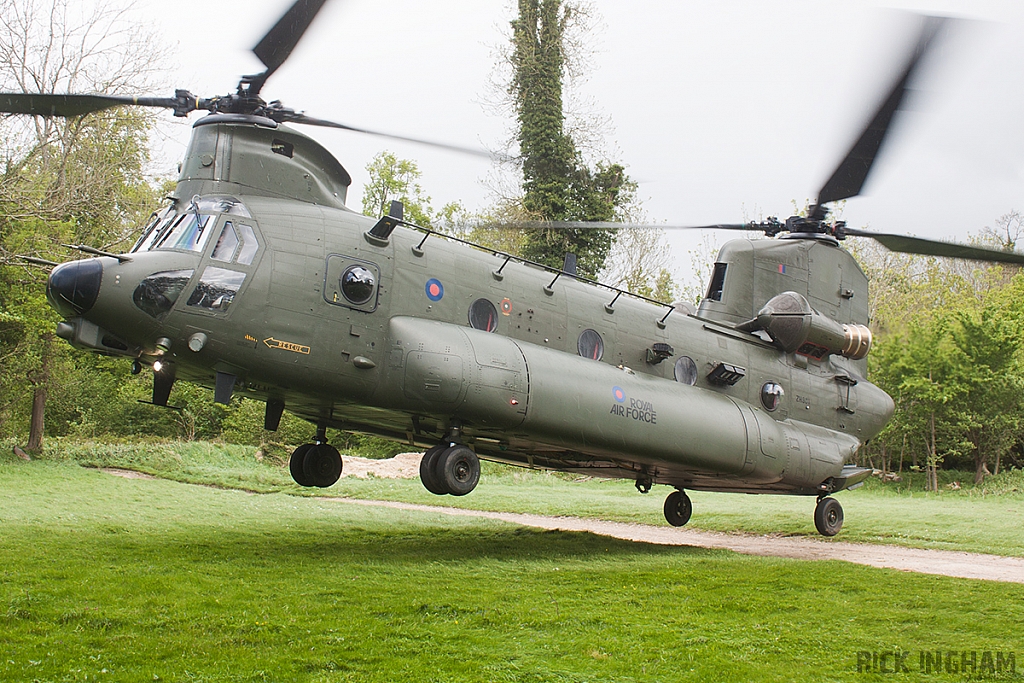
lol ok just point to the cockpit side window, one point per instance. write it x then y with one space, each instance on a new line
226 244
249 245
237 243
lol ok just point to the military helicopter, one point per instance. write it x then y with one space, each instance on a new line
257 280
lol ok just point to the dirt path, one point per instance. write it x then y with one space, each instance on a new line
943 562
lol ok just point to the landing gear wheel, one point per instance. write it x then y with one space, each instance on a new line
678 508
828 516
428 470
322 465
296 462
458 469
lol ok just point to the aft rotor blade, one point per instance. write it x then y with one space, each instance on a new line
925 247
611 225
279 42
310 121
849 177
73 105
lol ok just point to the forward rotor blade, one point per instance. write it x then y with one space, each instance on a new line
310 121
918 245
73 105
849 177
38 261
279 42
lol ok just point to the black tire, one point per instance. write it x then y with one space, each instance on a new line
828 517
296 464
322 465
428 470
458 468
678 508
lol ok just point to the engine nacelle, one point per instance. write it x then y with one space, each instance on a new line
795 326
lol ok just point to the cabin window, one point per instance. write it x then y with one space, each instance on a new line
685 370
771 395
483 316
216 289
590 345
717 282
357 284
157 294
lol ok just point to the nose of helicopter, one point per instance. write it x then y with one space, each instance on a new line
73 287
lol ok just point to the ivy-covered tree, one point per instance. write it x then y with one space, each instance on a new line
557 184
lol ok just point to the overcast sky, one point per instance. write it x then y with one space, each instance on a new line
723 111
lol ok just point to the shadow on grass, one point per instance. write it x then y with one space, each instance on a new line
365 544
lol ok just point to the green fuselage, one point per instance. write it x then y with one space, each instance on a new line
520 386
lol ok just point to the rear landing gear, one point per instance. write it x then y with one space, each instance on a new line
678 508
315 465
828 516
453 469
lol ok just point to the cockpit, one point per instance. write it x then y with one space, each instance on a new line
190 228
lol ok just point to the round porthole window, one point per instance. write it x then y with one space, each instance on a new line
483 316
771 395
590 345
685 370
357 284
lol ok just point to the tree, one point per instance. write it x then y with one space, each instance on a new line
557 184
391 179
949 353
639 262
63 180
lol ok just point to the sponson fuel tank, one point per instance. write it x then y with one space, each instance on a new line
496 383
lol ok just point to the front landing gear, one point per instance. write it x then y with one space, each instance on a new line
316 464
678 508
828 516
453 469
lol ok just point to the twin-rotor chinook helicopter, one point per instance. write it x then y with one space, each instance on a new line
258 280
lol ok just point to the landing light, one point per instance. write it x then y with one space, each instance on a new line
158 366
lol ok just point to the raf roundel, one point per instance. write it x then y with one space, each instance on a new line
435 290
618 394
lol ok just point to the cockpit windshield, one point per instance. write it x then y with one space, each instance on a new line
188 232
187 227
155 227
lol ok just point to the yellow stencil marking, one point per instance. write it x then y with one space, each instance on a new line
286 346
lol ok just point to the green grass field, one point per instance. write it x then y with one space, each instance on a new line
974 520
108 579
